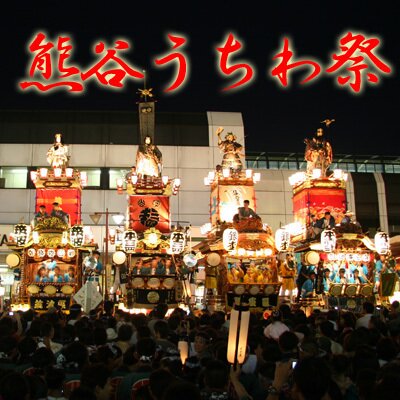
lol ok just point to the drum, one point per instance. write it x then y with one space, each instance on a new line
350 290
254 289
169 283
50 290
13 260
33 289
351 303
153 283
213 259
137 282
269 290
312 258
366 290
335 289
239 289
67 289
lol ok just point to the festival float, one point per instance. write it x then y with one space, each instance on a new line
325 234
48 252
150 250
239 251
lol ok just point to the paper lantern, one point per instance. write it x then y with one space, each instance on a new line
183 348
129 241
177 242
43 173
119 257
238 325
35 237
69 172
382 244
76 235
249 173
328 240
13 260
57 172
230 239
34 176
282 239
21 233
134 179
316 173
213 259
165 180
226 172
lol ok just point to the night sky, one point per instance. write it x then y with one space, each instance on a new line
275 119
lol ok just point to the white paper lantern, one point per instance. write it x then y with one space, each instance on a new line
177 242
119 257
282 239
129 241
328 240
230 239
382 244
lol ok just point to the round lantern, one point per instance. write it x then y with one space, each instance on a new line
282 239
119 257
190 260
177 242
13 260
382 244
230 239
76 235
213 259
328 240
129 241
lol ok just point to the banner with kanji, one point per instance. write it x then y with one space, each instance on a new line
226 199
69 200
149 212
318 200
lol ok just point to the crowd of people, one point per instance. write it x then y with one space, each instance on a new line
110 354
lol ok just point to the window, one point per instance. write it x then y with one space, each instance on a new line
93 177
13 177
117 173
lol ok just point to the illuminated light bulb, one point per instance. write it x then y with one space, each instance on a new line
134 179
257 177
249 173
206 181
83 176
268 252
345 177
241 252
211 175
33 176
177 182
337 174
165 180
35 237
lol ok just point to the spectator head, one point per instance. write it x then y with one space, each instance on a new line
216 376
145 349
161 329
54 378
201 341
96 377
83 393
160 380
288 342
14 386
368 307
125 332
181 390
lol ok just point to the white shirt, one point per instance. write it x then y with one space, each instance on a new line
363 322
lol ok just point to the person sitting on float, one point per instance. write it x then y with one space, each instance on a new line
307 289
70 276
357 278
169 267
160 269
42 275
246 212
56 276
327 222
327 279
341 277
235 273
146 268
41 214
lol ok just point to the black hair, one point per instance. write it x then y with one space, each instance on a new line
125 332
95 375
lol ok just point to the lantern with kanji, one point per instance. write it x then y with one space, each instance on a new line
129 241
230 239
328 240
76 235
177 242
21 234
282 239
382 244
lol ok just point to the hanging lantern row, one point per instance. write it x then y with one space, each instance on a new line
382 244
328 240
349 257
282 239
58 173
226 173
241 252
51 253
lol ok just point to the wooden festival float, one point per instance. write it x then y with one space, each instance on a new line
150 249
341 244
49 250
239 252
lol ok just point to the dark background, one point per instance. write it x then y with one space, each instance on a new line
275 119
